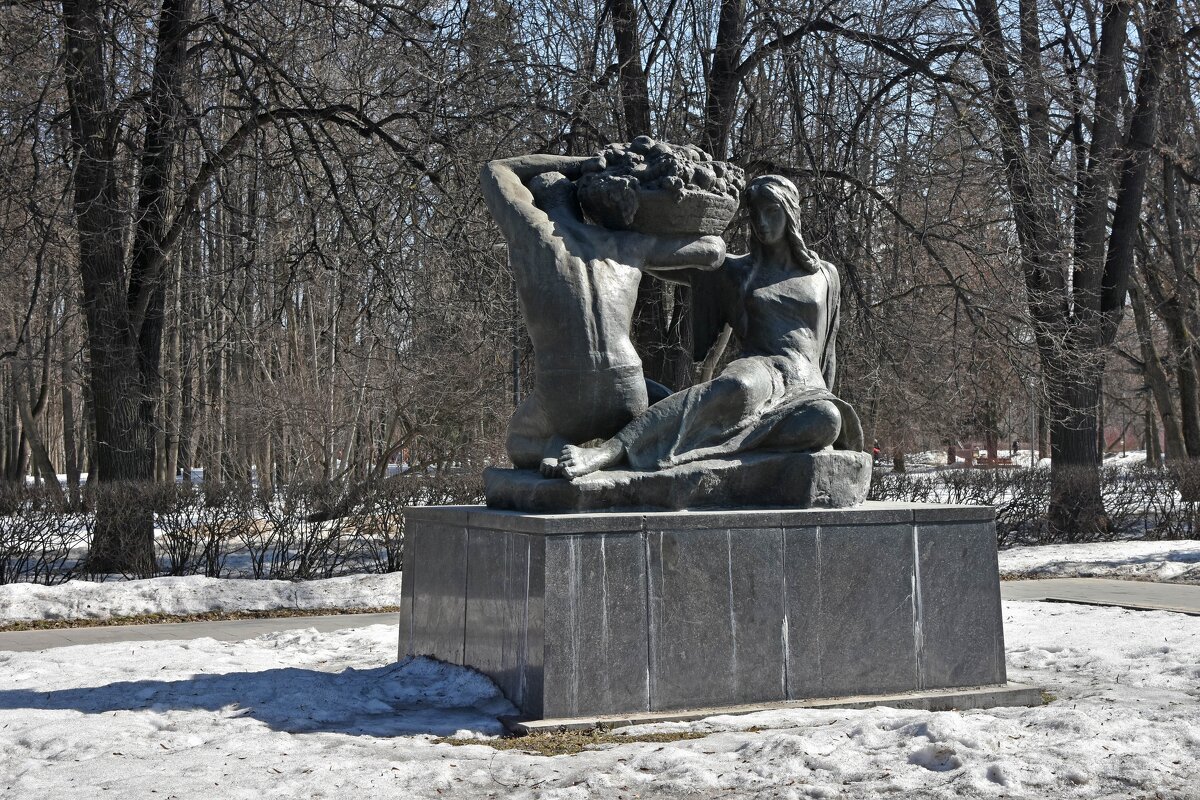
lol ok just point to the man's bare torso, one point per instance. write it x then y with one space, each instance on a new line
583 309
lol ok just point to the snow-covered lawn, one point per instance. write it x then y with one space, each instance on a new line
1169 561
192 595
302 714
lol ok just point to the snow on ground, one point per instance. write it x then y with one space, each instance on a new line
1168 561
192 595
1129 460
935 460
301 714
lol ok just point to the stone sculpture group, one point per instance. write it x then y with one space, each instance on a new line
593 432
731 573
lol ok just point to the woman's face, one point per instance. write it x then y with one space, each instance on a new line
767 218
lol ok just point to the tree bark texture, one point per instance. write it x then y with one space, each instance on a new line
123 312
1074 321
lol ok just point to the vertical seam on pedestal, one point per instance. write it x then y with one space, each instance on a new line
820 608
990 532
733 642
466 588
649 627
604 637
572 610
523 655
918 609
785 633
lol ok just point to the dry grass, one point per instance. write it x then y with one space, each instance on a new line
208 616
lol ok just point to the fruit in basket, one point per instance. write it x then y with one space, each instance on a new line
657 187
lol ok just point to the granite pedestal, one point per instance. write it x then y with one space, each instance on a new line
622 613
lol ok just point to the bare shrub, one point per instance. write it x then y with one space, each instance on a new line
198 531
1173 509
290 542
39 540
1141 503
1021 517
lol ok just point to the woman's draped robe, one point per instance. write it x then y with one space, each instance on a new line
663 437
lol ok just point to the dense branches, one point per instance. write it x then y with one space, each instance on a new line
246 237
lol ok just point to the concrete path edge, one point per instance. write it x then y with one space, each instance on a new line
221 630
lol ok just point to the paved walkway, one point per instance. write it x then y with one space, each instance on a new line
1140 595
225 631
1091 591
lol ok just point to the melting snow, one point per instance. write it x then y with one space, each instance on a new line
302 714
192 595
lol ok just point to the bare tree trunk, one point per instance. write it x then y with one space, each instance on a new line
1075 322
723 77
1153 455
41 459
124 320
635 92
15 451
1043 431
1076 507
70 449
1156 377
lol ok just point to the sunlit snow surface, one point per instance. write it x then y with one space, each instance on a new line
192 594
1169 561
302 714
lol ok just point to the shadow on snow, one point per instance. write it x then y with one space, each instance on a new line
415 696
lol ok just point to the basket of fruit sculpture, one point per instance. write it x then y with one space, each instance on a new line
655 187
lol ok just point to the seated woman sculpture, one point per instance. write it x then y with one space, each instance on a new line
782 301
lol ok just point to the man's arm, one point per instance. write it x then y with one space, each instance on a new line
507 196
526 167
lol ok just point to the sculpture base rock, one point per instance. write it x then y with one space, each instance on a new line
826 479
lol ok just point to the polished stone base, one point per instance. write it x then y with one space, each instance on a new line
600 614
828 479
1010 694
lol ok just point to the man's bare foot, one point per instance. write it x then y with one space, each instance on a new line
577 461
550 468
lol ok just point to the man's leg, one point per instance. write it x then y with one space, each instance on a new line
696 417
529 434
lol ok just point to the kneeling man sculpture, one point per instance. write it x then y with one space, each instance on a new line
654 552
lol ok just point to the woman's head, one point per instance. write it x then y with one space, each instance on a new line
773 203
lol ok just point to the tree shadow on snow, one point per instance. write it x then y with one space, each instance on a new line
1171 556
414 696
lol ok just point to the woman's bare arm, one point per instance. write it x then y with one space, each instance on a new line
662 255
